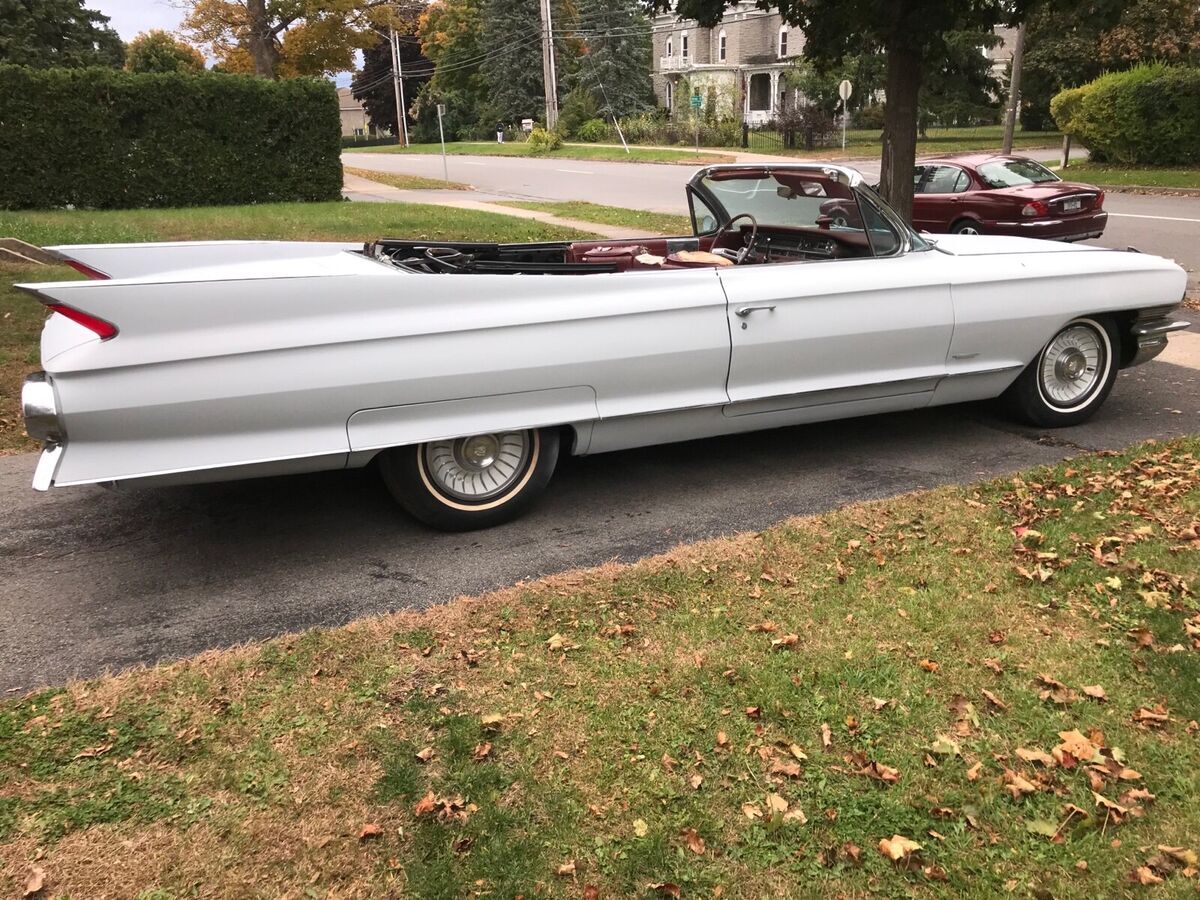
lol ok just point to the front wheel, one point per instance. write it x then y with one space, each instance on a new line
1068 381
471 482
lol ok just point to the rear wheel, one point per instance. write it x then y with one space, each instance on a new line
966 226
471 482
1068 381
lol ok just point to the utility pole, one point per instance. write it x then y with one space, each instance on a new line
1014 89
398 84
549 78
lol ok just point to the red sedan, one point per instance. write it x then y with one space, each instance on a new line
985 194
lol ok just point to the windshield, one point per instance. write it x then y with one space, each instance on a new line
787 199
1014 173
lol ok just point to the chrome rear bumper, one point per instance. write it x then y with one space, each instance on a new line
1151 336
39 405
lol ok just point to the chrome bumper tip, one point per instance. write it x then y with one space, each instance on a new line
1151 337
47 466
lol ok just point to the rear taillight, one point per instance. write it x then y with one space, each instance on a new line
103 329
1099 201
1035 208
86 270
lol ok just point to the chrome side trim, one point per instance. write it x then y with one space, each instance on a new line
47 465
40 409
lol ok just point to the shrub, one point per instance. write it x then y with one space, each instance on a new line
593 131
868 117
106 139
543 141
1147 115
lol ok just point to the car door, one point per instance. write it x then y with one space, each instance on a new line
942 193
837 331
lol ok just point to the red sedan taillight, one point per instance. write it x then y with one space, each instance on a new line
1099 200
1035 208
104 330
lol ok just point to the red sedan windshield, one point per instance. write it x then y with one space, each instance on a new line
1004 173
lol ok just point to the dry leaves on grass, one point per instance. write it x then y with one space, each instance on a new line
898 848
36 881
693 841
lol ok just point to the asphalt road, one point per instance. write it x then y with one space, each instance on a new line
1164 225
96 580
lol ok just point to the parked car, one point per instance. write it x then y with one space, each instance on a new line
1010 195
464 369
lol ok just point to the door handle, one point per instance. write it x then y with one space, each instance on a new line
743 311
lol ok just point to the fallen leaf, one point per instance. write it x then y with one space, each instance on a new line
372 829
1045 827
880 772
425 755
973 772
1017 785
722 741
567 869
898 848
640 828
35 882
1154 718
945 746
1037 756
1074 748
1095 691
695 781
1145 876
482 751
994 700
826 736
492 721
795 750
928 665
786 642
558 642
665 889
425 805
692 839
752 811
785 768
591 892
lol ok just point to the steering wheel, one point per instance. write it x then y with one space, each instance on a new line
736 255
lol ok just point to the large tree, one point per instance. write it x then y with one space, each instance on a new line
512 70
614 55
45 33
374 86
451 35
158 51
274 38
910 32
1104 35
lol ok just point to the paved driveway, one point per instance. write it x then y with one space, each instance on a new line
94 580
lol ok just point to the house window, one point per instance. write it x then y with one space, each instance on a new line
760 92
683 45
670 48
670 95
721 46
783 42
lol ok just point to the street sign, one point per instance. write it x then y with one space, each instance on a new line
697 101
845 89
441 110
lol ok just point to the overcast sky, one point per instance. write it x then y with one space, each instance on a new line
131 17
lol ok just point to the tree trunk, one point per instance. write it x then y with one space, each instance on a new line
260 39
900 128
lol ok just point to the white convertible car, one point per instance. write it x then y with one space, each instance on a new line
464 369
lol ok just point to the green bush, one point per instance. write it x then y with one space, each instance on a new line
593 131
107 139
868 117
542 141
1147 115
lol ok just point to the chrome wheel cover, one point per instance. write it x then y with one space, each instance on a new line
480 467
968 229
1073 366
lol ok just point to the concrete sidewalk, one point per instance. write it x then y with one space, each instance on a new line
362 189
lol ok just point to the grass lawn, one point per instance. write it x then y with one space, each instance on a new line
660 223
21 317
567 151
407 182
984 691
1120 176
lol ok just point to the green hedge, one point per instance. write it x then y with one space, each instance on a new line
1147 115
108 139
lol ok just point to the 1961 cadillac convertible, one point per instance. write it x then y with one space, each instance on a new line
464 369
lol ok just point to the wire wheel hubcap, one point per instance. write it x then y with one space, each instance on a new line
479 467
1072 365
